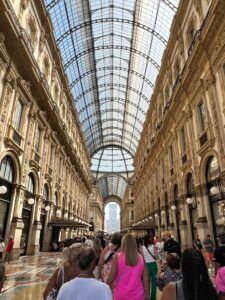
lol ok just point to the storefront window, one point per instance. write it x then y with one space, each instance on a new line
6 179
217 201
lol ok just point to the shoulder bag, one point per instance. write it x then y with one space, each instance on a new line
52 295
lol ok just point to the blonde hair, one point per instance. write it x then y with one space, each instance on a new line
129 247
70 254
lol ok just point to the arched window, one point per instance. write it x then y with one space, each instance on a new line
212 169
175 193
30 183
190 185
7 169
56 200
45 192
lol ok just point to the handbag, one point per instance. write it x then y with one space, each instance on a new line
153 256
53 293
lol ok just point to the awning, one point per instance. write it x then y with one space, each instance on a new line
146 225
65 223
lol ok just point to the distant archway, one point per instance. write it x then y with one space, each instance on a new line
112 217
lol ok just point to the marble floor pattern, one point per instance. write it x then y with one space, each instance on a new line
27 277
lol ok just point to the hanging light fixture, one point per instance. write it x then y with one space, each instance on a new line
163 212
189 200
3 189
173 207
213 191
66 215
47 208
58 212
31 201
156 215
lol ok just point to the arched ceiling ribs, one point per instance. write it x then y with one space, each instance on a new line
112 56
112 120
112 85
111 34
136 138
112 74
111 142
167 2
116 99
112 68
111 47
111 145
108 110
111 20
111 6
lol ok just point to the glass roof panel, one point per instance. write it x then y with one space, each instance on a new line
111 51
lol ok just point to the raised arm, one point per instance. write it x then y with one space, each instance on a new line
145 279
113 271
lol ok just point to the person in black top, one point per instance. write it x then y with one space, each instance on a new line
170 245
197 244
219 255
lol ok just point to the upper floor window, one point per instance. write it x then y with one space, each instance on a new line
18 115
182 141
51 155
6 169
201 114
30 183
38 139
171 155
45 193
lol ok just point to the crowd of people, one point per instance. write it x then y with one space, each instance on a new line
132 268
129 268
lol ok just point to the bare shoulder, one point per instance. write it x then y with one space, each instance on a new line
169 292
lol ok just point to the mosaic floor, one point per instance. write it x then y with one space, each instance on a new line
26 278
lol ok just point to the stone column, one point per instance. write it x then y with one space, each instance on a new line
183 227
34 244
17 222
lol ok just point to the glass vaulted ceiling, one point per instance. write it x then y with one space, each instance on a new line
111 52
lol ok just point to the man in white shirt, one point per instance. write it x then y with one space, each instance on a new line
85 287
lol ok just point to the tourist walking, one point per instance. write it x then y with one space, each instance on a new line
209 249
98 249
9 249
150 255
2 248
171 272
196 284
2 276
170 245
106 257
128 272
85 287
68 271
220 283
197 244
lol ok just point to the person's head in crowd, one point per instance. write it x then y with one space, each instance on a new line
83 239
148 240
70 254
139 242
167 235
87 260
129 248
116 239
173 261
220 282
1 240
196 282
2 276
97 246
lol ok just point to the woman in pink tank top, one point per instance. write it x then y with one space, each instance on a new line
129 273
